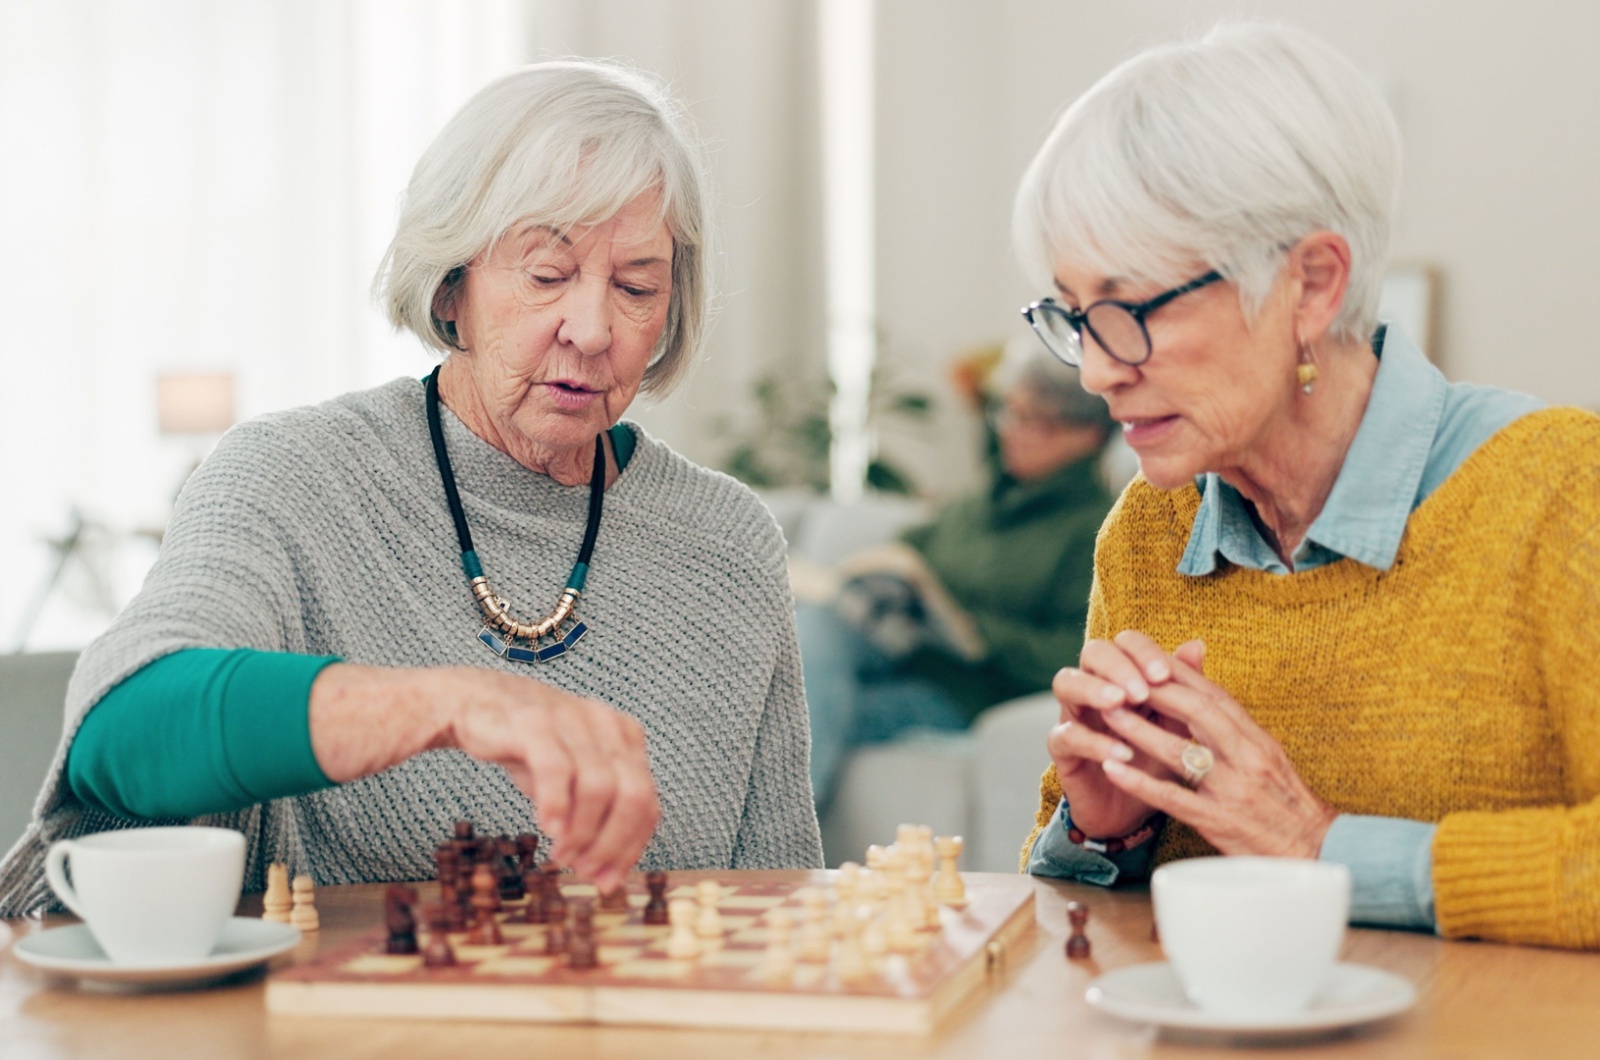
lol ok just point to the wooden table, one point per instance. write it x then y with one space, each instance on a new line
1476 999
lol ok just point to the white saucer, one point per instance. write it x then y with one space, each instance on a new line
72 950
1352 994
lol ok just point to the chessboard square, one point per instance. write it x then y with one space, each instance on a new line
732 924
384 964
732 959
617 954
467 954
692 892
522 931
752 936
636 933
752 901
580 890
645 969
516 966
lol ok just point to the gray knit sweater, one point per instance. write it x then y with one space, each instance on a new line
324 530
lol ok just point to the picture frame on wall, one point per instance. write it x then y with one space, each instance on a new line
1409 300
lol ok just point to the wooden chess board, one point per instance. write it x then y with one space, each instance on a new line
637 983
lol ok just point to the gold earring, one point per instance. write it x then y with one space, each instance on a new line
1306 371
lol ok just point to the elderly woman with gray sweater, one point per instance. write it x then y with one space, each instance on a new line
332 652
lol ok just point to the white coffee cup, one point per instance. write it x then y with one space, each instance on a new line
151 896
1251 938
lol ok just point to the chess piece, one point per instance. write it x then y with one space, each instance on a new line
877 857
615 900
655 910
485 900
582 952
436 953
1077 942
874 939
505 863
556 934
683 944
276 902
399 919
851 963
844 896
527 854
777 964
708 920
947 886
919 895
448 857
304 914
555 903
465 842
816 937
534 912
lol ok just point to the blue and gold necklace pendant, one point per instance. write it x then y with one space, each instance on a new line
523 642
559 631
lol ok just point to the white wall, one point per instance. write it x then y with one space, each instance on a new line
1498 103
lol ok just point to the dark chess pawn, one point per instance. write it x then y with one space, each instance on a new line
556 935
450 889
466 842
555 903
615 901
436 952
655 910
581 950
527 853
1077 942
399 919
485 900
505 862
534 911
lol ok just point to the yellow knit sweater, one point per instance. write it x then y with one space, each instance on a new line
1462 686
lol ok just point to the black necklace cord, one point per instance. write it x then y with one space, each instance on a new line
469 556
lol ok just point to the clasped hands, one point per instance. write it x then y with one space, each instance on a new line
1130 708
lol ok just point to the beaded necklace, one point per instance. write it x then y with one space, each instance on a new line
502 634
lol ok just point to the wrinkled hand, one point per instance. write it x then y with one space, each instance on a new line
1253 800
583 764
1110 677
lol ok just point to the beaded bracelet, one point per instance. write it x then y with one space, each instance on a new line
1115 846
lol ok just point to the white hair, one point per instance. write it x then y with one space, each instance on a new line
555 144
1228 151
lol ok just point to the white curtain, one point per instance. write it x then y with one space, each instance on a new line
209 184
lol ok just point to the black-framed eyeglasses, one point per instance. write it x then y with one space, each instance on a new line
1118 327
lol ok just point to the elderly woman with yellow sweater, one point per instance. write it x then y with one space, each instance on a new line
1347 610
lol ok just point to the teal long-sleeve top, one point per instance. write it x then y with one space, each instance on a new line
209 730
204 730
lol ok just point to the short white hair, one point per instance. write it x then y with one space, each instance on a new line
1228 150
556 144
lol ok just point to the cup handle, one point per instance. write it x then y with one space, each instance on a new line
55 872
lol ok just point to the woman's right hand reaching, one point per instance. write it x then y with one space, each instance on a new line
583 763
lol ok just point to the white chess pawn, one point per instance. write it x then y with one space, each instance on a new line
877 857
851 964
874 939
276 902
778 963
682 943
708 925
815 938
844 896
947 886
919 896
304 914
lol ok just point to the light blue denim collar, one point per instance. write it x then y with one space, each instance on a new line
1365 515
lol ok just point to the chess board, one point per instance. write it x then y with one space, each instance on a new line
637 983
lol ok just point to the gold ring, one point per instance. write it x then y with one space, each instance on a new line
1197 762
